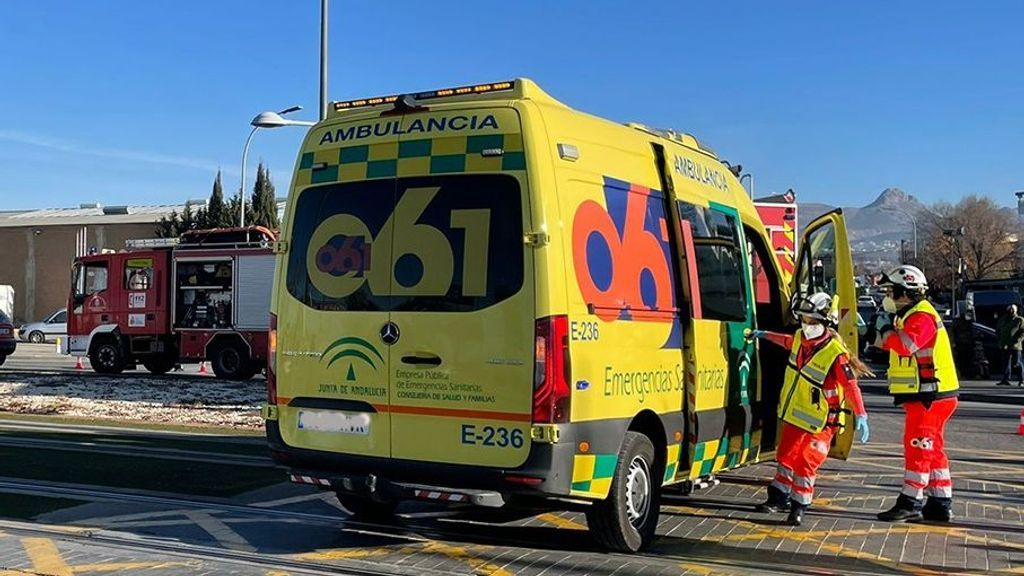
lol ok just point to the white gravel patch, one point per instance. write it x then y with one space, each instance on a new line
189 401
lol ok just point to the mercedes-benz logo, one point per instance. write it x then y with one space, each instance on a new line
389 333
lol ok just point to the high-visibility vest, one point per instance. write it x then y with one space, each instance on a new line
805 401
928 369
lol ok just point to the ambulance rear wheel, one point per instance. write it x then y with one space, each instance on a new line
626 520
107 357
231 362
364 508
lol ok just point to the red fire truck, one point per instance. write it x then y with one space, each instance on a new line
202 297
779 214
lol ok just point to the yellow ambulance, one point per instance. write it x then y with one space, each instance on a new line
486 298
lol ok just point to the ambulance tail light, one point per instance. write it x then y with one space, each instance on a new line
551 392
272 362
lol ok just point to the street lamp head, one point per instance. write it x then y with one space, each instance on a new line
274 120
269 120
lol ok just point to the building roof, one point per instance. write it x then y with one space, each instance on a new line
96 214
89 214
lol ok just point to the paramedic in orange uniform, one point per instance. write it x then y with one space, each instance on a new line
922 379
818 378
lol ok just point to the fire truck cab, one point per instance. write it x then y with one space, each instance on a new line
201 297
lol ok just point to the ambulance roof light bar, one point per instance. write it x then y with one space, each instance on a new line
430 94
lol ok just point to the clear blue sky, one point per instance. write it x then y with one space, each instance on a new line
140 102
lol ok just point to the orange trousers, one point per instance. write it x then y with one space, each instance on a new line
926 466
799 455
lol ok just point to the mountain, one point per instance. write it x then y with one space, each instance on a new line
875 230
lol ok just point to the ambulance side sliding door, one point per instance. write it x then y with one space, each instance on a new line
722 427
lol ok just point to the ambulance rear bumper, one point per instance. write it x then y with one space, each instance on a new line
548 465
371 486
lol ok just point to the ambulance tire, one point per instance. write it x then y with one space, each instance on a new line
363 508
160 364
107 356
231 362
626 520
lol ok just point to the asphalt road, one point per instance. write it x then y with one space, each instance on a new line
86 499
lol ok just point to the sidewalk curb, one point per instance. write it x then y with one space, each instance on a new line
965 395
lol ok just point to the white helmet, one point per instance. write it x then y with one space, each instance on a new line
905 276
817 305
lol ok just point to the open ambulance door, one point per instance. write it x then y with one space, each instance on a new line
825 264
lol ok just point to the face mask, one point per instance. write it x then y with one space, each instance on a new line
889 305
813 331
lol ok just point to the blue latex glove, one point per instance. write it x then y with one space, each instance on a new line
862 427
751 334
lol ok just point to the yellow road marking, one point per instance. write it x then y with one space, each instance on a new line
223 533
480 566
700 569
342 554
560 522
45 557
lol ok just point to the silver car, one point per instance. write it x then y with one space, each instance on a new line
56 324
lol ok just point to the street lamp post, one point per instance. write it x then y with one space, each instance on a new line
264 120
954 236
913 220
751 189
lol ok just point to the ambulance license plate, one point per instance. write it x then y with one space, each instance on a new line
338 422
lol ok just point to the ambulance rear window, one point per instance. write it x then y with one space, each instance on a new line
449 243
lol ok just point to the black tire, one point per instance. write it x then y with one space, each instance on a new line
620 522
107 357
161 364
3 358
364 508
231 362
36 337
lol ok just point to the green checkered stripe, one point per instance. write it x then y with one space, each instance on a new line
591 470
725 453
429 156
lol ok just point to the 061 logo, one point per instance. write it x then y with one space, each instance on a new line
620 255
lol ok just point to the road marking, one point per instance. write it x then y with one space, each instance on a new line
480 566
223 533
45 557
561 522
342 554
118 566
292 500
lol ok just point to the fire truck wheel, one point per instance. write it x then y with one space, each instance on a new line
160 364
231 362
106 357
626 520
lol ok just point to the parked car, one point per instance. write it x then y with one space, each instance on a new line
7 341
865 300
56 324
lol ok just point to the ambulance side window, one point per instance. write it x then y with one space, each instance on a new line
720 262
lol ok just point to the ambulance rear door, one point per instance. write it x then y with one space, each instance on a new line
462 287
825 264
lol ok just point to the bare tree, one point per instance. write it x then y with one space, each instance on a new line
988 246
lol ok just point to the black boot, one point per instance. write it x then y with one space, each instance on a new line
938 510
796 514
906 509
778 501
